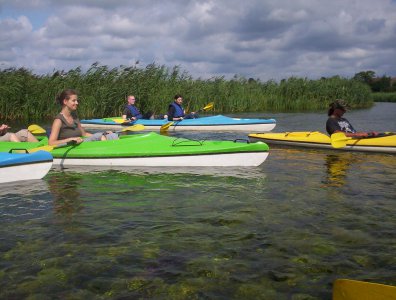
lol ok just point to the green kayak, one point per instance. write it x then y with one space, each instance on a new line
152 149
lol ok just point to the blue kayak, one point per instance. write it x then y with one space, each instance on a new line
24 166
212 123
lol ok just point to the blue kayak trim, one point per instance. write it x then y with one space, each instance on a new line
218 120
17 159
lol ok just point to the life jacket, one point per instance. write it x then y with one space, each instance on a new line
134 111
179 111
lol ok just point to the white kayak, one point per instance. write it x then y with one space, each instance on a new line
24 166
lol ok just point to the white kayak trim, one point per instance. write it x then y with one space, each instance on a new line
209 123
243 159
227 127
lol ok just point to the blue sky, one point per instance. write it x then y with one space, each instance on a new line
36 17
253 38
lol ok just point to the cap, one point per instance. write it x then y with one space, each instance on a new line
340 104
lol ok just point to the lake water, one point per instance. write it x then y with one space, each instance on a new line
284 230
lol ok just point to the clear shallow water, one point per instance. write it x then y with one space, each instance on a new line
284 230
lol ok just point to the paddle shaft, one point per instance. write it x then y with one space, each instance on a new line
380 134
166 126
50 148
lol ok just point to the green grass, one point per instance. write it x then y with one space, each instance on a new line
384 97
102 92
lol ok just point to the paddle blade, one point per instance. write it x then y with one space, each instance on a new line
345 289
339 140
120 121
166 126
36 129
208 106
47 148
136 127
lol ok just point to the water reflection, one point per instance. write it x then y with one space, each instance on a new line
337 166
238 172
342 167
64 187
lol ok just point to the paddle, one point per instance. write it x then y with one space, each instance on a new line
345 289
36 129
136 127
122 121
166 126
339 139
208 106
49 148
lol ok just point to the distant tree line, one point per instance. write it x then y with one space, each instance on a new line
384 84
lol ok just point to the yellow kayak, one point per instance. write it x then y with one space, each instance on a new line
316 139
345 289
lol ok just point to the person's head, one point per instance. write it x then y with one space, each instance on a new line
178 99
68 97
337 108
131 100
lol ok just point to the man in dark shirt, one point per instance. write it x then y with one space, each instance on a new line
336 122
131 112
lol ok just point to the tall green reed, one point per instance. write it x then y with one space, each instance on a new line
384 97
103 91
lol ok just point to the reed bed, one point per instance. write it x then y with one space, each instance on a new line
103 90
384 97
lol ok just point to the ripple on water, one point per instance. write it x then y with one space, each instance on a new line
285 229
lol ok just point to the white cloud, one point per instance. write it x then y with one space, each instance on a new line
14 32
254 38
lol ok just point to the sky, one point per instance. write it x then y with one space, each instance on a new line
260 39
